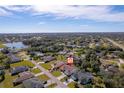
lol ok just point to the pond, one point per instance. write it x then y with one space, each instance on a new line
16 45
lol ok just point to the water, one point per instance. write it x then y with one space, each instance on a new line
16 45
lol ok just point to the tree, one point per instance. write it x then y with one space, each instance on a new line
2 75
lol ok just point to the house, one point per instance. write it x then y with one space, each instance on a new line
48 58
13 58
67 69
2 67
33 83
1 49
74 76
39 54
62 52
82 77
22 76
58 65
19 69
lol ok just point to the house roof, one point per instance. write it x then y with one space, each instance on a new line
59 64
13 57
68 69
23 76
48 58
33 83
86 75
19 69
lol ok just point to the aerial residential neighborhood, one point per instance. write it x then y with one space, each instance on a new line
61 46
61 63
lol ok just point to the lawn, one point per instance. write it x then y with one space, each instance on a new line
2 46
43 77
71 85
56 73
36 70
122 66
52 85
23 63
61 58
7 83
46 66
64 79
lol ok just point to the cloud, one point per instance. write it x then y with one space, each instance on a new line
41 23
84 25
95 13
3 12
18 8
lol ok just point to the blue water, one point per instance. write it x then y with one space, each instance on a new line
16 45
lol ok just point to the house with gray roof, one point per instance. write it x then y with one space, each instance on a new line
82 77
33 83
48 58
19 69
22 77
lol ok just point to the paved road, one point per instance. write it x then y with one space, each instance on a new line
118 45
115 43
59 83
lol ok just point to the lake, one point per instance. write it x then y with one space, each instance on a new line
17 45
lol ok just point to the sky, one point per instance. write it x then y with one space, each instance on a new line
60 18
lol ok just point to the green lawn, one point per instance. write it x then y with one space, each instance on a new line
36 70
61 58
64 79
7 83
56 73
2 46
52 85
43 77
122 66
23 63
71 85
46 66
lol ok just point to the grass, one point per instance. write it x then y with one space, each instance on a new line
63 79
43 77
122 66
23 63
71 85
61 58
36 70
56 73
46 66
7 83
2 46
52 85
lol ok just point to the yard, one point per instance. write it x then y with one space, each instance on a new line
46 66
43 77
71 85
23 63
61 58
52 85
36 70
2 46
7 83
56 73
64 79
